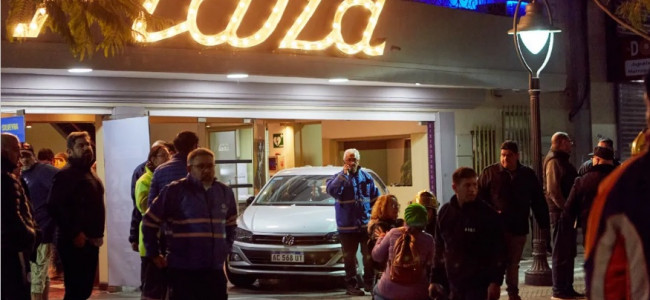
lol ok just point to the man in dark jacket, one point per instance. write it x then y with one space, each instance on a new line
38 177
18 228
469 244
76 203
202 214
588 164
512 189
576 211
559 175
353 190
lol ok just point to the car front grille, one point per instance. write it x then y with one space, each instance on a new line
298 240
311 257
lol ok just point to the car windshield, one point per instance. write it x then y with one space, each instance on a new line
296 190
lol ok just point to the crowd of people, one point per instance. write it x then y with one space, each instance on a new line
184 220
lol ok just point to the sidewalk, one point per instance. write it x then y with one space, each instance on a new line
526 292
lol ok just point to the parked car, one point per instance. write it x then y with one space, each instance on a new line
289 229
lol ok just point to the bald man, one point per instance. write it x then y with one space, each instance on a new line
18 228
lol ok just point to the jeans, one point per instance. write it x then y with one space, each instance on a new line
564 255
515 247
349 244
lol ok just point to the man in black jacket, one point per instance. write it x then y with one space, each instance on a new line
18 228
512 189
469 246
76 203
588 164
576 211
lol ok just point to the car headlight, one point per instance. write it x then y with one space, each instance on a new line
332 238
242 235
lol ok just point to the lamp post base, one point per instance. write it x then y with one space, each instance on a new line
539 273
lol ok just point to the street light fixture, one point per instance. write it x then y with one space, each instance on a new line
535 31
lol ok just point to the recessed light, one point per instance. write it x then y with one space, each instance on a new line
338 80
237 76
28 126
80 70
418 84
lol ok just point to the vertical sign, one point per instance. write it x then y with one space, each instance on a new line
431 143
14 125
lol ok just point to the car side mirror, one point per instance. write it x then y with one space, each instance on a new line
249 200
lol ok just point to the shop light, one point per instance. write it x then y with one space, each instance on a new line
80 70
338 80
237 76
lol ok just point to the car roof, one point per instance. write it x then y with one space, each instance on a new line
328 170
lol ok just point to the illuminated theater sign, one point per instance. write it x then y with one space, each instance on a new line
229 34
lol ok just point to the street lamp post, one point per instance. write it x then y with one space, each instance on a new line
535 32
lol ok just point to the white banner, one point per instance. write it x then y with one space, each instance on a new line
126 145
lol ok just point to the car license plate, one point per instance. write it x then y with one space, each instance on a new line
295 257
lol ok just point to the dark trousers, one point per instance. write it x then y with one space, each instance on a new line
515 247
79 267
475 292
564 253
350 243
14 277
154 280
197 284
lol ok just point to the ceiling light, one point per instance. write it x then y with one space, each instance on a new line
418 84
237 76
338 80
80 70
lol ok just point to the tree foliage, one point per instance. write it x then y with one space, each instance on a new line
87 25
631 14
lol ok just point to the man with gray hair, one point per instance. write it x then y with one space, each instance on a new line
202 215
353 189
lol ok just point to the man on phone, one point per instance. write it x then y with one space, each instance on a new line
353 189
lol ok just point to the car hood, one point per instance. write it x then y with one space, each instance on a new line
288 219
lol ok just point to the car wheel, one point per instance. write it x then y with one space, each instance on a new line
240 280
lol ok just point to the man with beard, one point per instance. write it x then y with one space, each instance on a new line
18 229
76 203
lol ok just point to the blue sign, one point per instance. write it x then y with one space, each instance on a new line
14 125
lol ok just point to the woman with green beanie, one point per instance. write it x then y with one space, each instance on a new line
391 246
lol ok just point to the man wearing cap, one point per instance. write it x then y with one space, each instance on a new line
512 189
576 212
587 165
38 177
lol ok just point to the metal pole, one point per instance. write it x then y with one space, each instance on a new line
539 273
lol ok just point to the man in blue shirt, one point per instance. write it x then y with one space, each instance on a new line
353 189
201 213
38 177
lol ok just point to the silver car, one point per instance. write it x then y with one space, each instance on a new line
290 229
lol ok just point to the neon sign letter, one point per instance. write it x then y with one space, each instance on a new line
229 35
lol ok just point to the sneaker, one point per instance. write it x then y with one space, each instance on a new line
354 291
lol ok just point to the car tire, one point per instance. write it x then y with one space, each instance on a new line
240 280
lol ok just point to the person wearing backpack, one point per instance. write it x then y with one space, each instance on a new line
469 245
409 253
